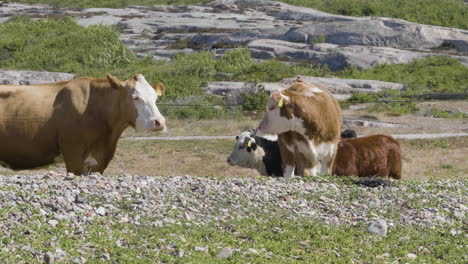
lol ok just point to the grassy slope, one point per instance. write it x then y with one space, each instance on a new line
449 13
296 241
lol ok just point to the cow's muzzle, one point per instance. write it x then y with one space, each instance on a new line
160 125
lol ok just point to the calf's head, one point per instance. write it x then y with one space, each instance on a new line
244 151
140 98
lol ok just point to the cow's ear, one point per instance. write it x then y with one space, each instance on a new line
160 89
115 83
136 76
280 98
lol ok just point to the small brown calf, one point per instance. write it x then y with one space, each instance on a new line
375 155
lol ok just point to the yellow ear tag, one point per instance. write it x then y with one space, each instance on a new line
249 144
158 92
280 102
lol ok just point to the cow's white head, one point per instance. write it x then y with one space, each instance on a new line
143 98
279 117
244 153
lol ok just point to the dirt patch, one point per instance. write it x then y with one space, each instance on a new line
422 159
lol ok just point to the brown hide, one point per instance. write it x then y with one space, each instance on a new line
78 118
321 118
302 161
375 155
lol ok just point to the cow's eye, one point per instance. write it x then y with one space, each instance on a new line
271 107
136 98
241 147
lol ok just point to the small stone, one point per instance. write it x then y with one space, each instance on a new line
201 249
459 214
411 256
384 255
101 211
180 253
252 251
49 258
378 227
52 222
106 256
225 253
26 248
79 199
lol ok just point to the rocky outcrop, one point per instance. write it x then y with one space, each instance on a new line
33 77
341 88
269 29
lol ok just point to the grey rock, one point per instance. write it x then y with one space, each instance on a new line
49 258
252 251
180 253
52 222
269 29
225 253
378 227
201 249
33 77
101 211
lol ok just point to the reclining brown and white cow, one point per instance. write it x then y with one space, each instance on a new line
368 156
307 120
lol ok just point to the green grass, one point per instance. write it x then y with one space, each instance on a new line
449 13
439 113
275 241
433 74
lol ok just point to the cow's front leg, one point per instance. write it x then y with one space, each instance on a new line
102 152
74 157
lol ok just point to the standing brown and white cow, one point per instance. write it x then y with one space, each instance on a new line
307 120
81 119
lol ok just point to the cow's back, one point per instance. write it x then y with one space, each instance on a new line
26 129
375 155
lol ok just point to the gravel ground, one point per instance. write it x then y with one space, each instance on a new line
129 199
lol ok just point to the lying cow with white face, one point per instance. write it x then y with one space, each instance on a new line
307 120
260 153
81 119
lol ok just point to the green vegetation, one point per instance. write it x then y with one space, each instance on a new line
439 113
433 74
255 101
272 240
448 13
23 42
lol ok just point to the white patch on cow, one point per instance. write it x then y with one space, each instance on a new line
288 172
323 153
311 90
313 171
149 118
